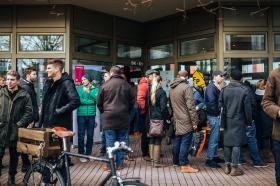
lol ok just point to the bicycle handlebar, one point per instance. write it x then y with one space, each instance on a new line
118 146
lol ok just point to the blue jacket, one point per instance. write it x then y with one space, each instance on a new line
212 94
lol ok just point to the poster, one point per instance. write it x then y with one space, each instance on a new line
167 78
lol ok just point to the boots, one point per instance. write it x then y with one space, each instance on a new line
156 156
151 152
267 156
236 171
227 168
11 180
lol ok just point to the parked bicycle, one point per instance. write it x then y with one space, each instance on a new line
52 166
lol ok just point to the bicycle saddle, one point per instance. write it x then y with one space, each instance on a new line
62 132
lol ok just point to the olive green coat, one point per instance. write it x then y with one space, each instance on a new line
14 114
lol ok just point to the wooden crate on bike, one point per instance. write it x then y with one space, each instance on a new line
37 141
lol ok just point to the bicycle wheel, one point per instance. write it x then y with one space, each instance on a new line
36 175
134 183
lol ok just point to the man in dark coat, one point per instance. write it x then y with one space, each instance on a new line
27 84
271 105
115 102
60 97
15 112
236 114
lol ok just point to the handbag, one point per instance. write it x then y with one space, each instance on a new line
156 128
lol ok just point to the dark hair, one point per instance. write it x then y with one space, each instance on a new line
13 73
28 71
115 70
57 62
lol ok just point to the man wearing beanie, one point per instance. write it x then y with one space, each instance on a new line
212 93
236 115
86 115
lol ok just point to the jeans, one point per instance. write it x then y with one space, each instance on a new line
111 137
144 138
13 159
231 155
213 144
85 126
252 145
180 149
276 145
103 142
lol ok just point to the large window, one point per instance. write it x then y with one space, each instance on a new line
277 42
41 43
161 51
5 43
202 45
251 68
127 51
276 62
5 65
206 66
245 42
92 46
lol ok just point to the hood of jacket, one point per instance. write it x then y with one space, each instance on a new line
24 82
176 82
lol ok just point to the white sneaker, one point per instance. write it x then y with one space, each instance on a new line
83 160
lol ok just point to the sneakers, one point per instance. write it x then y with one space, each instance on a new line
262 164
212 164
188 169
83 160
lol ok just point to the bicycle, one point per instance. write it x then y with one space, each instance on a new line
35 174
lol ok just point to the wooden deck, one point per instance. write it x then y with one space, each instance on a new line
91 173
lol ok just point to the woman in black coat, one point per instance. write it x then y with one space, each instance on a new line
263 125
157 111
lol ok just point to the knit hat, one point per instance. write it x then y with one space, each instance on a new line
236 74
87 76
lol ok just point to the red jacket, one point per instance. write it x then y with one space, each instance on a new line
142 94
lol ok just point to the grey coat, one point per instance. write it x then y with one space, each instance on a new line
13 114
236 113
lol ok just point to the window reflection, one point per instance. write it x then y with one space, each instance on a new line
92 46
245 42
197 46
4 43
37 43
127 51
276 62
161 51
277 42
5 65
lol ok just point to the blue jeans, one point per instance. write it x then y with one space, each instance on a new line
231 155
111 137
213 144
276 146
252 145
85 126
180 150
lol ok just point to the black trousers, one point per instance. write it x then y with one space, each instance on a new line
144 138
13 159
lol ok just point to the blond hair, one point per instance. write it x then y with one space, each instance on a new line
261 84
156 84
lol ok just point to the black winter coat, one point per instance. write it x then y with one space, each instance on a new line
237 113
262 120
115 102
60 98
211 99
159 110
14 113
29 87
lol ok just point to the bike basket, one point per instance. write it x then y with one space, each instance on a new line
37 142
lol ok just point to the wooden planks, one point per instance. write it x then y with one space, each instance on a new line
91 173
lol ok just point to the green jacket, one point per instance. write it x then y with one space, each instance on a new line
14 114
88 101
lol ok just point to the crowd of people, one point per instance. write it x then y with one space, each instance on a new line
245 115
